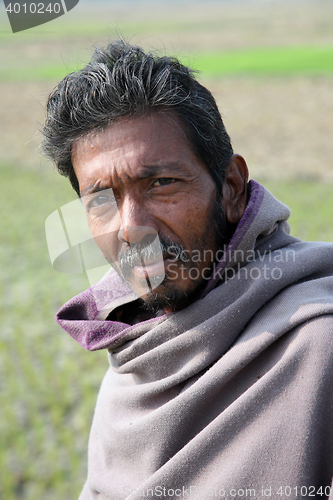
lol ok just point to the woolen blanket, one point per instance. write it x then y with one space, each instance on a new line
230 397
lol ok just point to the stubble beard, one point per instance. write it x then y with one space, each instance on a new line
166 295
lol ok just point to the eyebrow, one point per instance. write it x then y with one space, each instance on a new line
92 188
148 171
152 170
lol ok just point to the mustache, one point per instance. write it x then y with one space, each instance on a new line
151 248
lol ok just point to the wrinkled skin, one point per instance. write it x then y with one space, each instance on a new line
140 177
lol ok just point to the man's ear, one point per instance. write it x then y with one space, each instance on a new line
234 189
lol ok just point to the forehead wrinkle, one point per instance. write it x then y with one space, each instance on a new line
157 169
133 154
161 167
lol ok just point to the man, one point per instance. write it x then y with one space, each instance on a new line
218 323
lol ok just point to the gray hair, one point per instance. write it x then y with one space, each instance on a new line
122 80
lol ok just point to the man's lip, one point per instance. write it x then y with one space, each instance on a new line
149 269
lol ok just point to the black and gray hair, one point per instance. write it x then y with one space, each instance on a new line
122 80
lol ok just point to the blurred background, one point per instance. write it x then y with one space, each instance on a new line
269 64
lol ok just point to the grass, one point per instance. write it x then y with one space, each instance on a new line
48 384
268 61
311 205
54 72
285 61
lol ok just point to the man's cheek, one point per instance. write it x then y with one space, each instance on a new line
108 245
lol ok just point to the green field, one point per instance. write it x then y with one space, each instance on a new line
288 61
272 61
48 384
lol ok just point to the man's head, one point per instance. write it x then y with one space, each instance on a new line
144 144
122 81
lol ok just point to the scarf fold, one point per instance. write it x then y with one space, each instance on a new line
231 394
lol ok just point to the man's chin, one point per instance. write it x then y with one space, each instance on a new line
144 287
162 292
169 297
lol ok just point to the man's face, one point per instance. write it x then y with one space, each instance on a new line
140 178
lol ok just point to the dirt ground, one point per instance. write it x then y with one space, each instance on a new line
282 126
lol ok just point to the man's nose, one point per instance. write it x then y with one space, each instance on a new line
136 224
135 234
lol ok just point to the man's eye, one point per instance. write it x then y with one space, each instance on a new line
99 201
164 181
